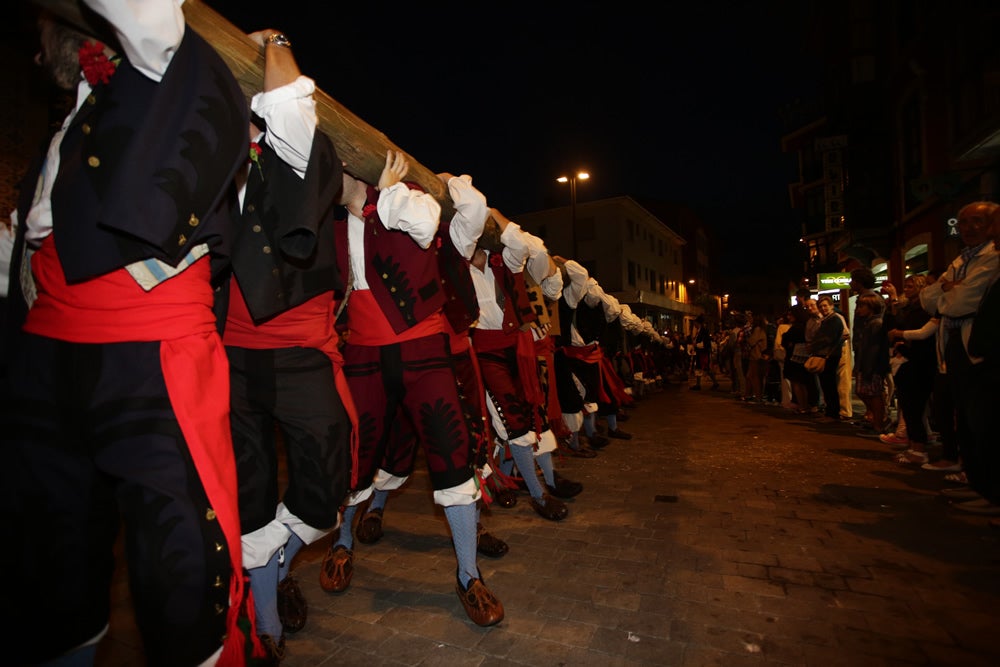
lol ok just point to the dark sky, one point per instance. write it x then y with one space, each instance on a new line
669 101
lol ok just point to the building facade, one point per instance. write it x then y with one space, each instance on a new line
909 133
635 256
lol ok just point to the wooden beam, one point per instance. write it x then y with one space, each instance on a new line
359 144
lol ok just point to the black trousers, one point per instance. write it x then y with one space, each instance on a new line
90 442
290 391
828 383
984 474
913 386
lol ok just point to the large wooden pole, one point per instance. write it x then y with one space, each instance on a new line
359 144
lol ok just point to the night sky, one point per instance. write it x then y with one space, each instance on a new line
681 103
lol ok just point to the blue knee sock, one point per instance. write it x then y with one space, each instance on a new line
291 548
379 499
507 466
264 584
612 422
574 440
588 424
346 537
462 521
545 463
525 459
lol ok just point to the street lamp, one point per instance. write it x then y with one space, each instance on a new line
581 175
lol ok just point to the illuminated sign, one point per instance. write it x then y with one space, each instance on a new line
834 280
951 228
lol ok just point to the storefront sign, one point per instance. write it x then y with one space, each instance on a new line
827 281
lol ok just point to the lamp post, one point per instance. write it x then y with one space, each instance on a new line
581 175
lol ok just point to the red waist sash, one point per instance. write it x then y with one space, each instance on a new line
367 324
490 340
113 308
591 354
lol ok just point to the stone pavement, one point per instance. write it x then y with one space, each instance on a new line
724 533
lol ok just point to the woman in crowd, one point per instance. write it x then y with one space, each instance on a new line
915 376
826 343
871 359
796 352
757 359
784 324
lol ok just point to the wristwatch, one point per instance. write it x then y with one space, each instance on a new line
278 39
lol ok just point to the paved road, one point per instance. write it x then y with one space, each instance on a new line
723 534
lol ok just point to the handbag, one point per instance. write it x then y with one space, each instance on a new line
800 352
815 364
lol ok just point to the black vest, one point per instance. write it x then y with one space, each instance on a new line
145 166
284 251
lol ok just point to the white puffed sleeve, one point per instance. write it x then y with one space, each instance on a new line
411 211
470 216
149 31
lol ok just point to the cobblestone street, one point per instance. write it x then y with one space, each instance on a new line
723 533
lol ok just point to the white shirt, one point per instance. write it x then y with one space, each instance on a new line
470 216
538 268
515 252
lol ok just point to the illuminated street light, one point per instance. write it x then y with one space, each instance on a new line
580 175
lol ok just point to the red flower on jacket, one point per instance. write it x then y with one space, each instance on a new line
94 64
255 151
368 211
496 259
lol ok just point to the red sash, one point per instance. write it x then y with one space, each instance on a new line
113 309
615 383
309 324
591 354
369 326
545 348
487 340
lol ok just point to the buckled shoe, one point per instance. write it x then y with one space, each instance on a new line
292 606
337 569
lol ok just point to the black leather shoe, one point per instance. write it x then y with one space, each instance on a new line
564 488
552 509
489 545
292 606
505 497
598 441
369 530
619 434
